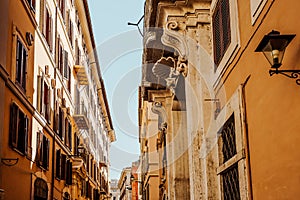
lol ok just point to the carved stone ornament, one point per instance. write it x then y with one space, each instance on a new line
158 109
169 69
172 38
148 37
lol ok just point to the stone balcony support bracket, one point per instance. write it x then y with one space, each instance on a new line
175 39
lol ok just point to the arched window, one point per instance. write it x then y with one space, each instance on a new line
40 189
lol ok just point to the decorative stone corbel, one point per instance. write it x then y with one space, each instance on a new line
158 109
173 38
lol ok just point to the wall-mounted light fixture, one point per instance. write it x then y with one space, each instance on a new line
9 161
273 47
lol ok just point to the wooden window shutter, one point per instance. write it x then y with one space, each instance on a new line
26 123
66 131
14 112
24 67
47 102
69 173
47 155
50 33
66 64
57 49
70 134
42 15
40 89
39 148
63 166
61 59
58 164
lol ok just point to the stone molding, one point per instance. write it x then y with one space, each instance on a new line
158 109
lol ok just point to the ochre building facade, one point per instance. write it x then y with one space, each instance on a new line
55 128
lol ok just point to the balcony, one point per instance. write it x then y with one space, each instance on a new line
82 77
80 117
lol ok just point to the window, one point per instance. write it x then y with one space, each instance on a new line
69 173
44 98
70 28
230 176
58 164
40 189
66 65
221 29
18 132
68 128
46 26
21 65
43 144
62 8
60 56
61 124
232 169
63 166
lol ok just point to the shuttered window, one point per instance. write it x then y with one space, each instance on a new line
48 29
21 65
46 24
68 131
65 65
58 164
69 173
18 132
43 145
63 166
61 124
221 30
44 98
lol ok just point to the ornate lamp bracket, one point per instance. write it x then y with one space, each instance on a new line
294 74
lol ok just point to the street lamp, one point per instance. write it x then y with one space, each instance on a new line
273 47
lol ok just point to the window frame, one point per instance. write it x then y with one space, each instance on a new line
21 66
15 141
234 106
234 45
44 96
45 188
43 150
256 6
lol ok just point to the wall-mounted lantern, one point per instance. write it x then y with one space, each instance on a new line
273 47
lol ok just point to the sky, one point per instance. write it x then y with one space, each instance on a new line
119 48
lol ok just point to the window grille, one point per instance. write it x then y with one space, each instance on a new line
230 178
221 30
228 139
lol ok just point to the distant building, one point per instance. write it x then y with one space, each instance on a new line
124 184
115 192
135 181
55 124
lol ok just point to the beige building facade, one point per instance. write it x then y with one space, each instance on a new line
222 127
